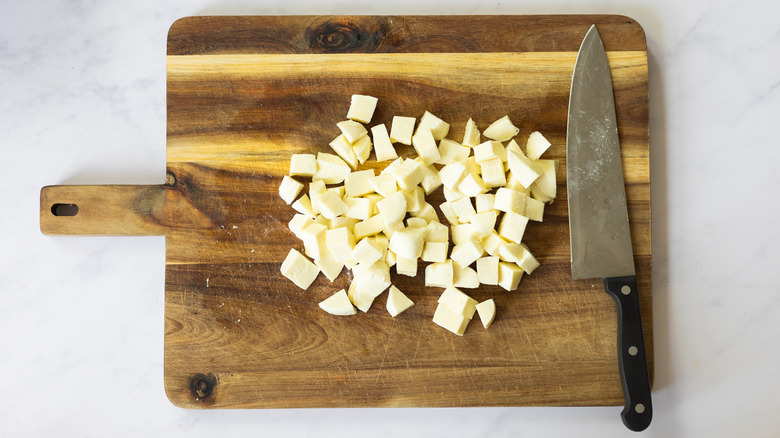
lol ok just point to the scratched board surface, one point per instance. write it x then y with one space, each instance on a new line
245 93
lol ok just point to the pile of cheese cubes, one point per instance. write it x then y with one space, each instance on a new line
371 223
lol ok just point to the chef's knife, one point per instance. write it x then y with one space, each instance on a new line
598 216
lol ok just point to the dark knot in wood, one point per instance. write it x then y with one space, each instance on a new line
202 385
344 37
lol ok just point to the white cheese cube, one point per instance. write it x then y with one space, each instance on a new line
464 209
528 262
471 165
501 130
465 277
425 146
408 243
452 174
389 231
523 169
514 184
397 302
510 200
303 206
316 188
331 169
458 302
472 185
461 233
487 312
416 222
369 227
437 232
340 242
431 180
402 129
303 165
437 126
426 212
452 321
359 208
392 166
450 150
360 298
449 213
382 241
439 274
546 182
415 198
405 266
482 224
362 108
289 189
487 270
329 266
343 148
520 255
320 219
383 147
313 237
298 222
373 279
331 205
390 258
384 184
466 253
485 202
408 174
492 243
536 193
358 183
452 195
489 150
338 304
435 252
509 275
534 209
362 148
342 221
536 145
393 208
367 252
471 134
299 269
493 173
512 226
352 130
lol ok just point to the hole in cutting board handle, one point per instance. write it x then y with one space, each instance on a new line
64 209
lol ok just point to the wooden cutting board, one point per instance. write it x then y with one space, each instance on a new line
245 93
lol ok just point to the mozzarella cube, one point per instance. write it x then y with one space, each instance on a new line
538 194
508 200
487 270
425 146
465 277
342 221
534 209
512 226
316 188
405 266
449 213
523 169
299 269
358 208
437 232
383 147
340 242
402 129
493 242
466 253
390 258
392 166
458 302
313 237
352 130
372 279
509 275
435 252
450 150
489 150
464 209
514 184
357 183
329 266
408 243
343 148
415 198
536 145
431 180
452 174
487 312
360 298
384 184
408 174
520 255
303 206
367 252
482 224
393 208
546 182
289 189
472 185
389 231
471 134
501 130
369 227
437 126
338 304
331 169
416 222
452 195
298 222
362 148
493 173
427 213
452 321
439 274
485 202
461 233
397 302
303 165
362 108
331 205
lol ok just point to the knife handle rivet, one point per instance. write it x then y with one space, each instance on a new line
626 289
639 408
633 350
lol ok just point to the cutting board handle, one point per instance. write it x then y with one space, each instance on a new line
103 210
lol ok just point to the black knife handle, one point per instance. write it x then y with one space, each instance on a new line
638 410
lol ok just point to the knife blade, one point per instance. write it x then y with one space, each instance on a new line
598 216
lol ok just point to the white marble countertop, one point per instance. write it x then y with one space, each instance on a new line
82 101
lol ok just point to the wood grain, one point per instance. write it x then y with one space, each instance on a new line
245 93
